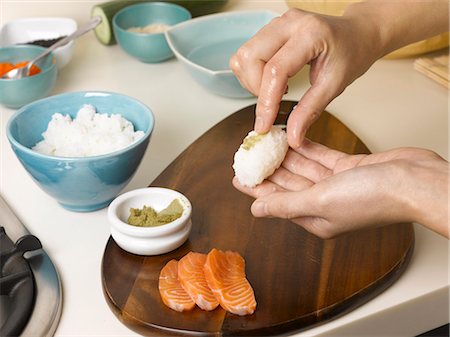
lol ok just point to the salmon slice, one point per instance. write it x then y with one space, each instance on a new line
170 289
225 275
192 279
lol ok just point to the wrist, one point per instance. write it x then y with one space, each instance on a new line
427 201
398 23
366 22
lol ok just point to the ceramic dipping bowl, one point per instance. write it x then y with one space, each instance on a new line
147 47
149 240
16 93
205 45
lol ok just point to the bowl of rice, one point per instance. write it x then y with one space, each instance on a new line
81 148
139 29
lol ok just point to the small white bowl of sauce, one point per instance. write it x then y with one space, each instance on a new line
150 237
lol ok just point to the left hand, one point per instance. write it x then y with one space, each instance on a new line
329 192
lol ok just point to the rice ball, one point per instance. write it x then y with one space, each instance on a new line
259 156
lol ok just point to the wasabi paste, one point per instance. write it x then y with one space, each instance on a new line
250 141
148 217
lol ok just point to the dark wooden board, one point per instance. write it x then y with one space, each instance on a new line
299 280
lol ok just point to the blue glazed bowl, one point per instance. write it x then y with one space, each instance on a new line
79 184
149 48
16 93
205 44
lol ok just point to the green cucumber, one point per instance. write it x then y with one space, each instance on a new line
106 10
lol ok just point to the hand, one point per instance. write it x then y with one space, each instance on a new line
329 192
338 49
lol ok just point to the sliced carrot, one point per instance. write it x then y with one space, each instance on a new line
6 66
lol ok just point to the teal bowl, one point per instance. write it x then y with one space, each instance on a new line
79 184
205 45
149 48
17 93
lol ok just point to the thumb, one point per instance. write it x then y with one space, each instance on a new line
301 208
307 111
286 205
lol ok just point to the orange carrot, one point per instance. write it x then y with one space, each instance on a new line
6 66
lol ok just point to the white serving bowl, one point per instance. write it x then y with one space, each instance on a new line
22 31
149 240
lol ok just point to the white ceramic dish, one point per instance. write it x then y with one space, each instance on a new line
149 240
32 29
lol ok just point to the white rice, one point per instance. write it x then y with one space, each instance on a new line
254 163
153 28
89 134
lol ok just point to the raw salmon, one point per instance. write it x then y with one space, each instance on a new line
225 275
170 289
192 279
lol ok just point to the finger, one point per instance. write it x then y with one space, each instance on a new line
263 189
320 153
308 110
318 226
285 205
249 60
277 71
299 165
289 181
267 41
248 77
334 160
299 207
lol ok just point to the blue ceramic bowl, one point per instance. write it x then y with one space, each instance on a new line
149 48
16 93
79 184
205 45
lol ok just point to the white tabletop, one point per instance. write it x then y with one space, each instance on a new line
392 105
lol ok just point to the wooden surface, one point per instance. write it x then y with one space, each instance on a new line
436 68
299 280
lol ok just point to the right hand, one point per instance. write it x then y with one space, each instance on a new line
338 49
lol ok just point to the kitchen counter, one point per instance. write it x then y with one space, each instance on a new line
392 105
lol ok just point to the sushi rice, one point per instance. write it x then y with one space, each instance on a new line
260 155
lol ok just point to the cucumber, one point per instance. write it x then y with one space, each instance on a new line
106 10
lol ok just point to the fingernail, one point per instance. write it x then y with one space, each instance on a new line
259 208
259 123
295 142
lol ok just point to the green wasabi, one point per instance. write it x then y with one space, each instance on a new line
148 217
250 141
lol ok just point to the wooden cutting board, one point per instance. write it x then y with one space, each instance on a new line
299 280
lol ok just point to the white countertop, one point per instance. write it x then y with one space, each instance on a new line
390 106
